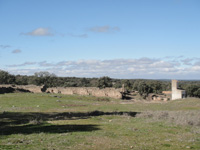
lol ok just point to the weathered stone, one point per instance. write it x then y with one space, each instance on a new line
107 92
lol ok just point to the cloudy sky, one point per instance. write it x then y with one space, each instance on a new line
93 38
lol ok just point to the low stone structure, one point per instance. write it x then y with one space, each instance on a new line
107 92
94 91
167 92
158 97
19 88
31 88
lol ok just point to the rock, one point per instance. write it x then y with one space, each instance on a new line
188 147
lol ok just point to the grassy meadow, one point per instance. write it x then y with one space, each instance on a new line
54 122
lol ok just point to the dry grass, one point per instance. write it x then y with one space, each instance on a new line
36 121
190 118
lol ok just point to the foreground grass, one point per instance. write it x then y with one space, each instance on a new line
43 121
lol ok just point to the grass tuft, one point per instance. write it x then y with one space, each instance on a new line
36 121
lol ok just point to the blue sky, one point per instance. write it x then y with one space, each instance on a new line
92 38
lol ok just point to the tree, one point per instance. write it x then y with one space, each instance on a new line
144 89
136 84
104 82
44 78
6 78
197 93
127 85
156 87
84 82
44 74
190 90
21 80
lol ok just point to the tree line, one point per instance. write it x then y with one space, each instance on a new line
143 86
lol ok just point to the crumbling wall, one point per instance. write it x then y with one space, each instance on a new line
20 88
107 92
31 88
157 97
115 93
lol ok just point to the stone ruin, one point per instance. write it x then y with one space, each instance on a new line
20 88
107 92
174 94
158 97
93 91
177 93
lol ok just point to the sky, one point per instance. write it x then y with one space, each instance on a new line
150 39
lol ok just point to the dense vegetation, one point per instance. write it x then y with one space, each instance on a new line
144 87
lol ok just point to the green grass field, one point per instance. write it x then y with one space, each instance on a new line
59 122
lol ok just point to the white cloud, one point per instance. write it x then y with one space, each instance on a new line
187 61
40 32
197 63
45 64
104 29
16 51
23 64
117 68
78 35
195 68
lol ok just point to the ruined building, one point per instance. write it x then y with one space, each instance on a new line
93 91
177 93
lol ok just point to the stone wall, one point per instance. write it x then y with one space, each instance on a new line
27 88
107 92
31 88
